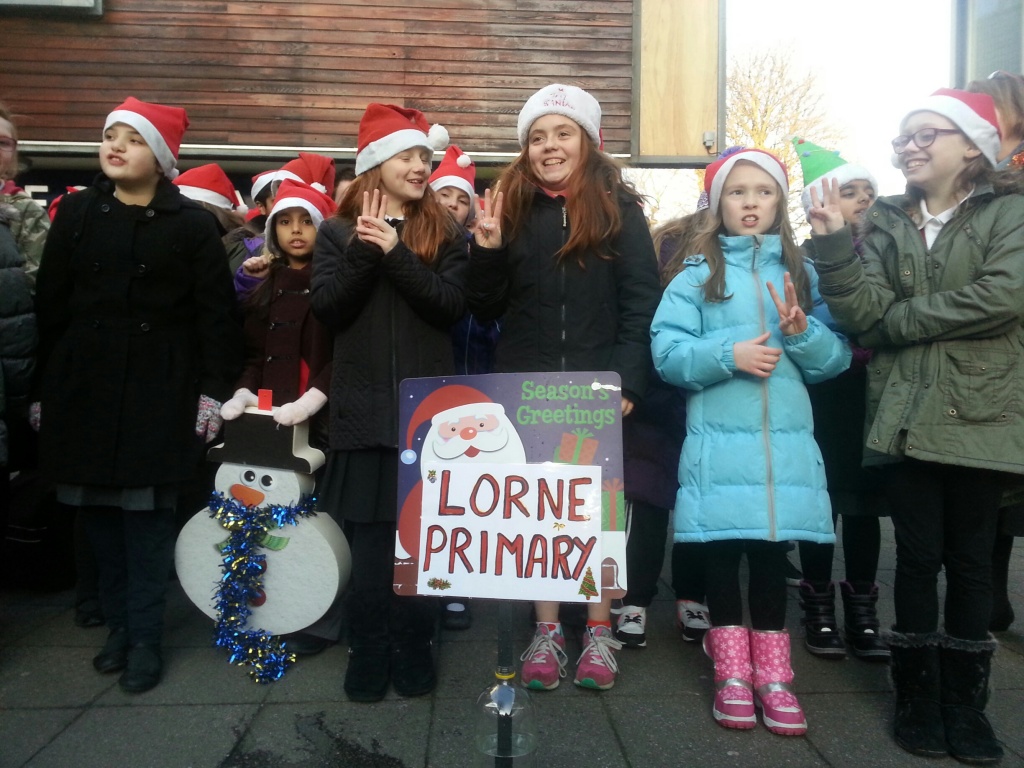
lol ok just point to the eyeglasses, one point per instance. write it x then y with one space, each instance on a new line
8 145
922 139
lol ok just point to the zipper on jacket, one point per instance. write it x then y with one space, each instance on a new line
561 286
766 435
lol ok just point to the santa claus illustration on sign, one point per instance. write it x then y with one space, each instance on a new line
465 426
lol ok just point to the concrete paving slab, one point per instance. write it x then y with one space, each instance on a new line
33 677
23 732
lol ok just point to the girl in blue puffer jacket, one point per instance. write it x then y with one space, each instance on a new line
751 476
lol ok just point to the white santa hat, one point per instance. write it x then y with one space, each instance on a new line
387 129
457 170
716 173
208 184
161 127
972 113
567 100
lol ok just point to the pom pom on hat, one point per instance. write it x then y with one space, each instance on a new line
456 169
567 100
161 127
208 184
387 129
296 194
315 170
819 165
972 113
718 172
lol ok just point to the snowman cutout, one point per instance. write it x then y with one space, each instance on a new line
266 467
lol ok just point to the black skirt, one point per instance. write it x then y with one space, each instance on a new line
361 486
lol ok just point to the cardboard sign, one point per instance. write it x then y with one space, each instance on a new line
510 486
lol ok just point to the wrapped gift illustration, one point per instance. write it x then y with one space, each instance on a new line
613 505
577 447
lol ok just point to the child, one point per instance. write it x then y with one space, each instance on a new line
27 219
1007 91
936 293
209 186
750 471
387 280
855 493
453 182
288 350
563 253
137 348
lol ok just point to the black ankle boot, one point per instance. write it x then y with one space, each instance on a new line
860 624
412 668
368 673
917 721
113 657
145 666
821 633
966 666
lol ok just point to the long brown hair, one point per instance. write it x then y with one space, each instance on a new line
428 225
592 200
705 242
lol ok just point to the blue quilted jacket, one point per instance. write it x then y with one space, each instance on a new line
749 467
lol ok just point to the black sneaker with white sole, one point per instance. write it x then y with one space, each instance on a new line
631 626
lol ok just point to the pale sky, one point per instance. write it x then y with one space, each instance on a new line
874 59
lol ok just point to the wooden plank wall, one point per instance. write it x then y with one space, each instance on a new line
300 74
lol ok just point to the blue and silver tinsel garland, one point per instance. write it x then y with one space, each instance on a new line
243 564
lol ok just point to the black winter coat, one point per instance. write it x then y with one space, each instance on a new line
136 319
391 315
559 316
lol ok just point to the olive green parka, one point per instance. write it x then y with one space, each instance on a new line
946 381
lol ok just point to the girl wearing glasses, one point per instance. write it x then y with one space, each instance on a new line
937 293
27 219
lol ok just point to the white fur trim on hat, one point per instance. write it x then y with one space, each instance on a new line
376 152
268 178
454 181
762 160
567 100
978 130
206 196
150 134
844 174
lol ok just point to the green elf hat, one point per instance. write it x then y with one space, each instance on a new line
820 165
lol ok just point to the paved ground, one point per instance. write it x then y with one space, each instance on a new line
55 711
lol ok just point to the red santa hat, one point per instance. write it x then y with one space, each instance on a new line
387 129
51 209
208 184
567 100
718 172
457 170
972 113
295 194
161 127
450 401
315 170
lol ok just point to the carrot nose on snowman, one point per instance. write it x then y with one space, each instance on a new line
250 497
467 433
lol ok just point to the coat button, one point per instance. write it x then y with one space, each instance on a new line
875 440
95 266
144 327
150 213
952 411
95 323
910 447
906 272
105 208
141 269
926 385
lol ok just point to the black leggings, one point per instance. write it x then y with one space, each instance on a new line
862 538
766 593
943 516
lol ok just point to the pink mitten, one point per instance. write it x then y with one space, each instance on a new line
303 408
236 406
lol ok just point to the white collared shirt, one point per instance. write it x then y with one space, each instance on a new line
932 225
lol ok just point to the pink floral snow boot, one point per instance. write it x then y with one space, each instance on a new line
729 648
773 674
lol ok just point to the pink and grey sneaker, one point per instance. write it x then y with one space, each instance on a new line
773 673
544 661
597 666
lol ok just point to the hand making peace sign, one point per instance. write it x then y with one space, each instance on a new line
488 221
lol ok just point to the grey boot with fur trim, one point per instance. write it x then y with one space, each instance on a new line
965 670
915 666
